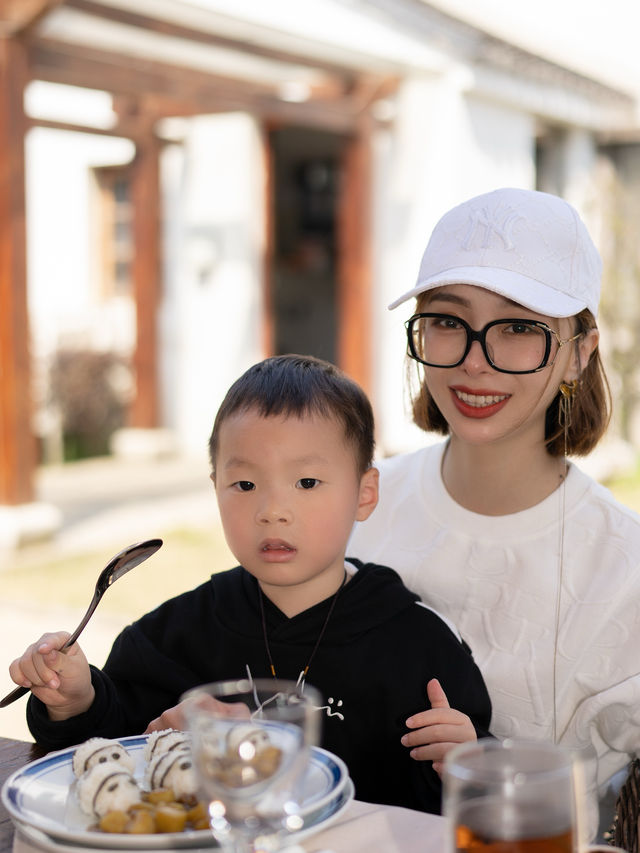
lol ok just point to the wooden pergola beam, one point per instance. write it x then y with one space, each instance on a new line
17 17
17 444
337 118
169 90
172 29
83 65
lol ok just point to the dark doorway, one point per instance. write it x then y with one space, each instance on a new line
306 186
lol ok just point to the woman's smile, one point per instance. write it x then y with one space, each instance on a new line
480 403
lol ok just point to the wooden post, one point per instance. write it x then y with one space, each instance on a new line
354 266
268 309
145 194
17 442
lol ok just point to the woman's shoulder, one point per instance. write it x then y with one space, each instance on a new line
598 496
605 533
387 597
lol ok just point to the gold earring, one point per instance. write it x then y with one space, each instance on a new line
569 389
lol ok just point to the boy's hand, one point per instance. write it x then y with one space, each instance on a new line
438 730
62 680
174 718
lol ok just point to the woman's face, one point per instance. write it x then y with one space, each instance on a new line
482 405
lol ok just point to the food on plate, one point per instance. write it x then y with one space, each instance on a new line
133 822
159 811
165 740
248 757
99 750
247 739
107 787
173 769
165 799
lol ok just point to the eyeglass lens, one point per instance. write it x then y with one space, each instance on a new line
442 341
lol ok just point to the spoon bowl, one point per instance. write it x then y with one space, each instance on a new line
118 566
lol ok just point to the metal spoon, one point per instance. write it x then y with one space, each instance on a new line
115 568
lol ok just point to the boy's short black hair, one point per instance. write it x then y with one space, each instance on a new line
297 385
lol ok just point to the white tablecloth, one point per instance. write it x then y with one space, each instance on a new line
361 828
366 828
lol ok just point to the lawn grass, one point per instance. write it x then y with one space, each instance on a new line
187 558
626 488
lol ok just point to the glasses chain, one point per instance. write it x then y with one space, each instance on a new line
567 393
304 671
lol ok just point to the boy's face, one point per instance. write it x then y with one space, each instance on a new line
289 491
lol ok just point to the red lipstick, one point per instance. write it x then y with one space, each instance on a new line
478 403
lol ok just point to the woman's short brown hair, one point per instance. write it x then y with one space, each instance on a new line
590 406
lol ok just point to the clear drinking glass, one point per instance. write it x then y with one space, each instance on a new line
510 796
251 742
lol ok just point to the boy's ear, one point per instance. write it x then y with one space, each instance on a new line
368 494
212 477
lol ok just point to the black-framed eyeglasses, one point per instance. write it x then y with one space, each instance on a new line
509 345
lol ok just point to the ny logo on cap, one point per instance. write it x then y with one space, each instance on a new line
484 222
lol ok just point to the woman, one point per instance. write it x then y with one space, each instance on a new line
535 562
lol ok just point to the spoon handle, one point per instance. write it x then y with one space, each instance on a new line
97 595
11 697
20 691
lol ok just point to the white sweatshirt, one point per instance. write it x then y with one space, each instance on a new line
496 578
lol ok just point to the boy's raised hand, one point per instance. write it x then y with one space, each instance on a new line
62 680
175 718
435 732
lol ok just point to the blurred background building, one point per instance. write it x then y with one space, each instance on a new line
187 187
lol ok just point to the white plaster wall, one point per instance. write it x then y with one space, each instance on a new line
211 318
579 162
445 145
61 270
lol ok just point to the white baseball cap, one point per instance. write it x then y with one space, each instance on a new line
529 246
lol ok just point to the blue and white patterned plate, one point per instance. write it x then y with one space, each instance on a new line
40 796
313 823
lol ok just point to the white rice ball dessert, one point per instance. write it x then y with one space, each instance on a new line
247 740
99 750
165 741
173 769
107 787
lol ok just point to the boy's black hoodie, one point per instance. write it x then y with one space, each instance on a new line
380 649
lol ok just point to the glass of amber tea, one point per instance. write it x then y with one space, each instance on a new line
510 796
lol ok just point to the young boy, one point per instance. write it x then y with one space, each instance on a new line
291 453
